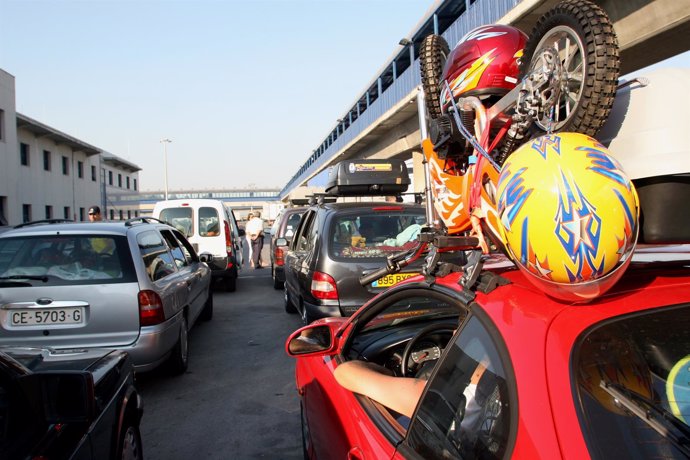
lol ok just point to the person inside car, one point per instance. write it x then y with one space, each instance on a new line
402 394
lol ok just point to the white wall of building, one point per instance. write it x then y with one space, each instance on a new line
8 147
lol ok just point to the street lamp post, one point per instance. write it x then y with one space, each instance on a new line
165 143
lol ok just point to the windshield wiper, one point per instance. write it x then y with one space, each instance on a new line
658 418
25 277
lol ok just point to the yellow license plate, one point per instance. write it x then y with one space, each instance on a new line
392 280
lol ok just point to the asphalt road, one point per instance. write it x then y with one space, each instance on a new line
238 399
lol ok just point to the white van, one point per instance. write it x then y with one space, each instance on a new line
210 227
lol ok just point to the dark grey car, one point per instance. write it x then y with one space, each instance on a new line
282 231
335 244
136 286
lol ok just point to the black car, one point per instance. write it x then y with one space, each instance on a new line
282 231
336 243
79 403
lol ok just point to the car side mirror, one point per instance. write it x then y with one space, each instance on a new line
206 257
281 242
62 397
312 339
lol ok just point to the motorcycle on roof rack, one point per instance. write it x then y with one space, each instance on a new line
509 153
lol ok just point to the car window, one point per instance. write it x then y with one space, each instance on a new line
304 233
631 378
158 261
291 224
178 253
209 222
67 259
368 233
464 412
180 218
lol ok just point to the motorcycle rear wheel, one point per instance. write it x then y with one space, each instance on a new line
583 35
433 53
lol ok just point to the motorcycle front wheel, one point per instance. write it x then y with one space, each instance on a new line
580 35
433 53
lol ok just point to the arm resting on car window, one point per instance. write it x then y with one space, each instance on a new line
400 394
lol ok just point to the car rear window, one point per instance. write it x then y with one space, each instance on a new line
180 218
373 233
53 260
291 224
631 380
209 224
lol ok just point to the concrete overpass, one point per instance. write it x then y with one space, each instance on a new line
383 121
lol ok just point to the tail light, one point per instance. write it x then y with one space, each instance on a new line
323 287
278 256
228 244
150 308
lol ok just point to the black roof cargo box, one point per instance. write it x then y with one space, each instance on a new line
368 177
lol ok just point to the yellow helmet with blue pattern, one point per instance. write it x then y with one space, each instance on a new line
569 215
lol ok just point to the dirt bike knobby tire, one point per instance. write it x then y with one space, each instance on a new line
433 53
595 30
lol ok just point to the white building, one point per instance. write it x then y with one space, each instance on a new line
47 174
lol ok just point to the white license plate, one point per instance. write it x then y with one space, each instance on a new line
46 316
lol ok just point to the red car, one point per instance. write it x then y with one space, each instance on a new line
606 379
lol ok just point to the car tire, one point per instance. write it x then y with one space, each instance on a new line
130 446
179 359
289 307
277 284
207 312
230 283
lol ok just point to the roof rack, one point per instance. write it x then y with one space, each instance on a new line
43 222
144 220
320 198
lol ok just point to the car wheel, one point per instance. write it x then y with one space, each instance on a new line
179 359
130 446
289 307
276 283
230 283
207 312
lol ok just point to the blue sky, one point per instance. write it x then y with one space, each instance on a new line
245 89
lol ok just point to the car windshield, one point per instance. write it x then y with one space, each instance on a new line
52 260
374 232
411 309
631 377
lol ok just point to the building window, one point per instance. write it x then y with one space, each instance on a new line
122 215
127 181
81 214
119 180
2 124
136 213
66 212
110 178
80 169
112 214
46 160
129 214
65 165
26 213
49 212
24 154
135 185
93 173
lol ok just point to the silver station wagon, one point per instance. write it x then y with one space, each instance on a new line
136 286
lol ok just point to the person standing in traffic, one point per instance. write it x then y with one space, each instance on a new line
95 214
255 233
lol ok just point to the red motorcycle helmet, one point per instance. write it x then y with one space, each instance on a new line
484 63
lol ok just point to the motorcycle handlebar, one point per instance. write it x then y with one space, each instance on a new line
373 276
